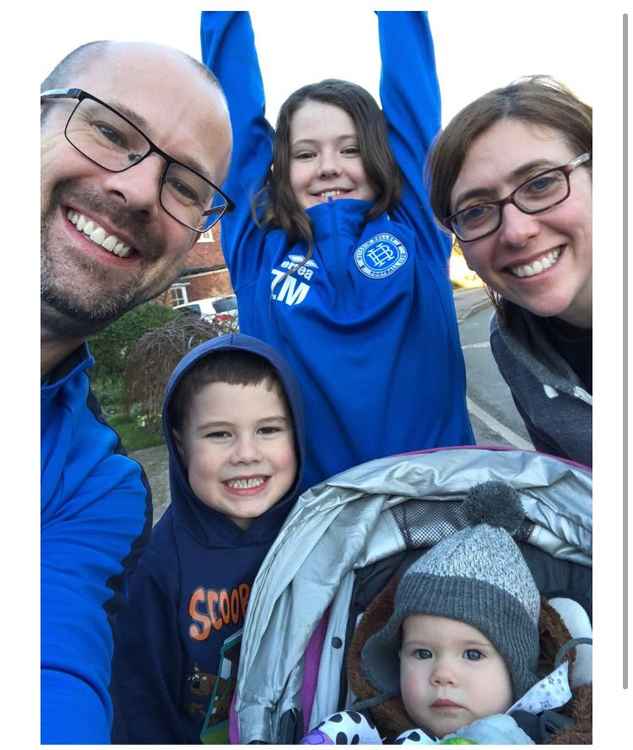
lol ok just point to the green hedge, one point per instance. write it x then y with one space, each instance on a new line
112 346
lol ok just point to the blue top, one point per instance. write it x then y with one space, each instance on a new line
369 323
177 644
96 513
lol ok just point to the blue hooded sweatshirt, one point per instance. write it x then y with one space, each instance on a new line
177 643
368 322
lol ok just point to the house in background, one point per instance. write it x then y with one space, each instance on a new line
205 274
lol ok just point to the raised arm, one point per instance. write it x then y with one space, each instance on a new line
410 95
228 50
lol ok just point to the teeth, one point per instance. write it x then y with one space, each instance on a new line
540 265
109 242
245 484
121 249
330 193
98 234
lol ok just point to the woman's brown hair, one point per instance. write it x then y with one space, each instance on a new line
539 100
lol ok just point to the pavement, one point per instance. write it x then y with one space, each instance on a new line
470 301
155 460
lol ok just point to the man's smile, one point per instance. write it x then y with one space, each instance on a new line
98 234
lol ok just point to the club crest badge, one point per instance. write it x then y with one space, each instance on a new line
381 256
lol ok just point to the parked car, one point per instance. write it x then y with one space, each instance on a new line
212 308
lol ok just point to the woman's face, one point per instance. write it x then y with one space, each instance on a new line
541 262
325 160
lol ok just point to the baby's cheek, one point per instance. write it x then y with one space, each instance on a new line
412 691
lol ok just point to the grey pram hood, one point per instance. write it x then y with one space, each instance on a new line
364 515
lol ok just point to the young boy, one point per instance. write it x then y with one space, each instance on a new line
233 423
462 644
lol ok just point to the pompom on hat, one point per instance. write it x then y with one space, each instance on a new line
477 576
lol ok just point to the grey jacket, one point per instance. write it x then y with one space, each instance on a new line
550 398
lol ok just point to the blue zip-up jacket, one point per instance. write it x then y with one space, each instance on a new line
368 323
176 645
96 514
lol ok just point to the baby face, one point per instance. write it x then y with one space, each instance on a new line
450 674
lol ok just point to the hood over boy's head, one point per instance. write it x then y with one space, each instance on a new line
233 422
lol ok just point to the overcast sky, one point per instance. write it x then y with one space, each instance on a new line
478 47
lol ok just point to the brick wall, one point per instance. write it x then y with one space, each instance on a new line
214 283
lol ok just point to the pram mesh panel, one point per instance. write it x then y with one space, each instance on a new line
423 523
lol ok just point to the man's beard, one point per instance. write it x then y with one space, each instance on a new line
71 309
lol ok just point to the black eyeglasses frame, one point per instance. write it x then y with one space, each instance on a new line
566 169
80 95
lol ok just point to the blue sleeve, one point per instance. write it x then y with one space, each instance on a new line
148 665
96 515
228 50
410 96
88 546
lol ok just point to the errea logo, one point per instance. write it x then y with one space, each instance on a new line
380 256
285 287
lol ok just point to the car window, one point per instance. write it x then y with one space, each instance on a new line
226 304
191 309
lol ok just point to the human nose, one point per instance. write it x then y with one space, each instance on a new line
443 672
329 165
245 450
517 227
139 186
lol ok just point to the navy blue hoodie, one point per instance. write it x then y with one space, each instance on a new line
177 643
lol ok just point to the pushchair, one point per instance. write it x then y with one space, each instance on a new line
344 541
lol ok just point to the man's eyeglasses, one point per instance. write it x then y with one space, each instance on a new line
110 140
537 194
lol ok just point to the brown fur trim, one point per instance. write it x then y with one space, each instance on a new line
391 718
580 709
553 635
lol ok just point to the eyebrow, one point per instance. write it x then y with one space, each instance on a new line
520 172
462 644
316 141
131 115
143 125
226 423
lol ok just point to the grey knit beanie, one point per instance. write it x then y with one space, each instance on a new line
477 576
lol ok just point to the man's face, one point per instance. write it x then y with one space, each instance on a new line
84 285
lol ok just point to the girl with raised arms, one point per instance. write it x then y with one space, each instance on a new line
333 251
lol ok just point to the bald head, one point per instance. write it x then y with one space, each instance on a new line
83 57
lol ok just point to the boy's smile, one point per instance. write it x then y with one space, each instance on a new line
237 445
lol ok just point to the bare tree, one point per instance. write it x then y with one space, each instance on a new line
154 356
